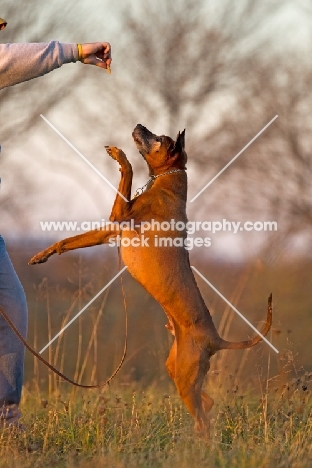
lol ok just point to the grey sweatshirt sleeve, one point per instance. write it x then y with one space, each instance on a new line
22 62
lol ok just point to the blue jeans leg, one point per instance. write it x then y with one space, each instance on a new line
12 351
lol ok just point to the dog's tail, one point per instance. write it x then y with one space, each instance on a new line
249 343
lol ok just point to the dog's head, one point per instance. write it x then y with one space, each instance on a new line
160 152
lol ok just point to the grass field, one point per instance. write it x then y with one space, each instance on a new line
262 416
132 428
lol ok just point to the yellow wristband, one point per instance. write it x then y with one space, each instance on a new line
79 51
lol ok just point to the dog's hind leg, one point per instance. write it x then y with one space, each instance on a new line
171 360
191 367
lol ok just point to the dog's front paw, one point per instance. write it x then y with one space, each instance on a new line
40 257
117 154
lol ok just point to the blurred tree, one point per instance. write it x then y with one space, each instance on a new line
178 57
21 105
217 68
273 179
12 119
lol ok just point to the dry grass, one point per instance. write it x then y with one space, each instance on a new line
150 429
267 422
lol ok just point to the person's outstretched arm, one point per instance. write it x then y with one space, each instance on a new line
23 62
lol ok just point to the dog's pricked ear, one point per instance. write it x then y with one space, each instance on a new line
182 138
179 143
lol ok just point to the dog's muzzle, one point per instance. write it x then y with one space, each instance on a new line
143 138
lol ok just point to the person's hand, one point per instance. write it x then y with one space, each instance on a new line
3 23
97 53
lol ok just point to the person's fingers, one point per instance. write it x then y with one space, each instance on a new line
101 49
103 54
97 53
94 60
107 49
3 23
104 65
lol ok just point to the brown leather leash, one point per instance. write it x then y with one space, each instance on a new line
56 371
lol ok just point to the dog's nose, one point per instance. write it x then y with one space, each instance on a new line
139 130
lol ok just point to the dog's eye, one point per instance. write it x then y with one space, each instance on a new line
158 139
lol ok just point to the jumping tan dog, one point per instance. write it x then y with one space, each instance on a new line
164 271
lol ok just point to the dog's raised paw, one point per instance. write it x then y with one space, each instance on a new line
116 154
